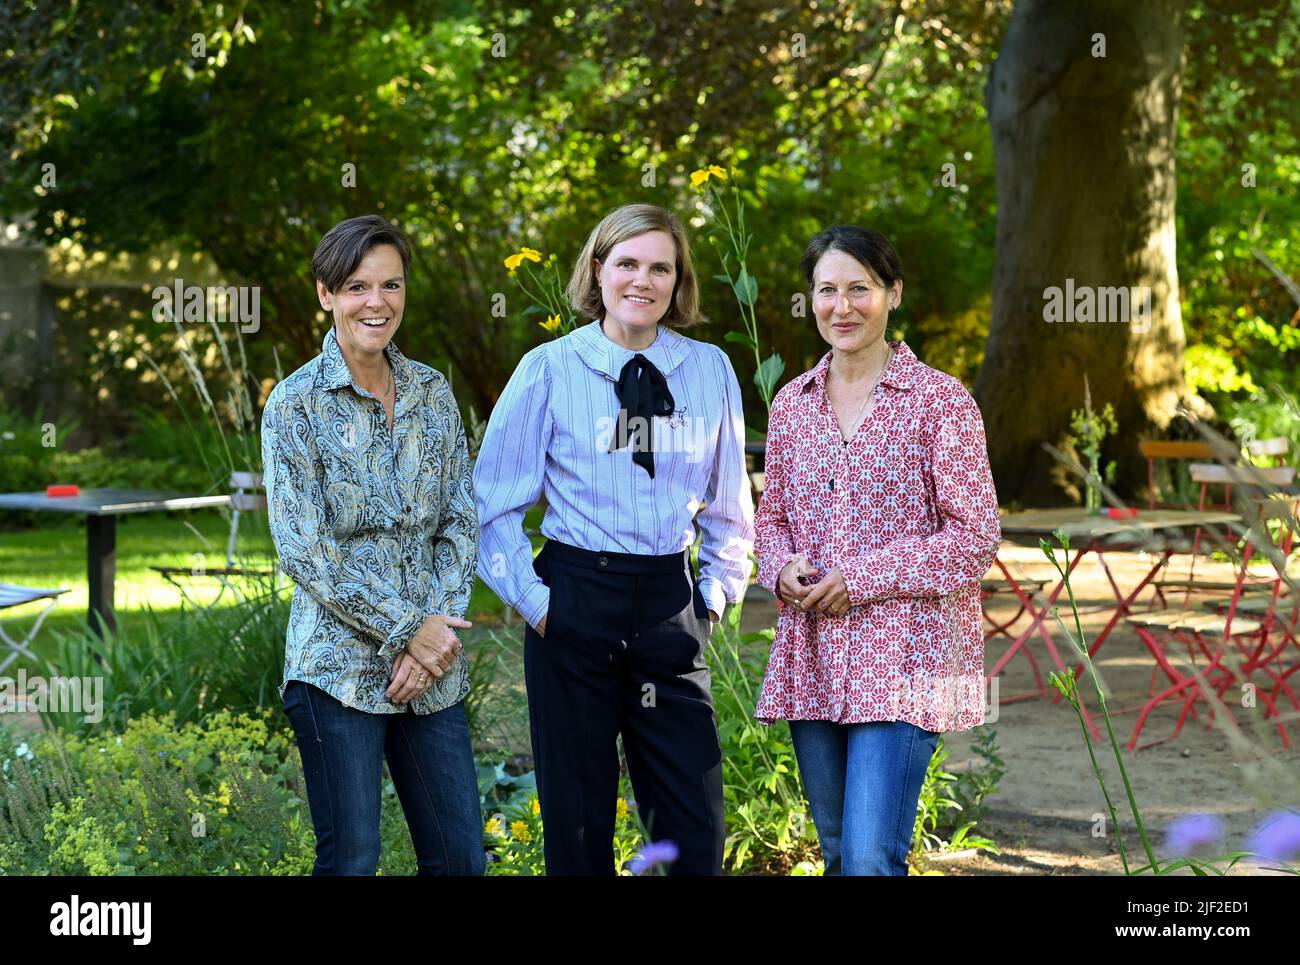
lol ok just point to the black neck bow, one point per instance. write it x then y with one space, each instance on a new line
642 394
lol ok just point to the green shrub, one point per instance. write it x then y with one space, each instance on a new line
768 825
497 704
34 454
158 798
951 805
1265 414
189 663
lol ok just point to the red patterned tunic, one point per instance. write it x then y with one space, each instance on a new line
907 511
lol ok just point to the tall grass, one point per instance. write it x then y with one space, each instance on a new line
189 663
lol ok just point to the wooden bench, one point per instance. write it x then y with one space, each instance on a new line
1275 449
248 496
1194 621
1263 479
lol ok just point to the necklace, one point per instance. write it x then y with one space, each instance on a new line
857 419
392 384
862 408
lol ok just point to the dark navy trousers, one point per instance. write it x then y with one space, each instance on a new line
623 654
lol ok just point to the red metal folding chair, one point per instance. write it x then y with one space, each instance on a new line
1245 636
1257 479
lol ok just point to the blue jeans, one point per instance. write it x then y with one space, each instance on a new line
432 766
863 782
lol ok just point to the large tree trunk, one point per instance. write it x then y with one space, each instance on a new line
1084 147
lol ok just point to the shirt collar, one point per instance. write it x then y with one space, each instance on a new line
335 374
900 373
608 357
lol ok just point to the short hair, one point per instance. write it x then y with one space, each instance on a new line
583 290
865 245
344 245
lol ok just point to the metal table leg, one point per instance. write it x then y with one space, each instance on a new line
101 569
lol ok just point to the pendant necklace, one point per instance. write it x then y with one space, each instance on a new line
857 421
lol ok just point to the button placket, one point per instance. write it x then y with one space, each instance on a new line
838 539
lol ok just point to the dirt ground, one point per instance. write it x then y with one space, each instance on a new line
1048 814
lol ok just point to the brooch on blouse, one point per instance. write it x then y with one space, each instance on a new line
678 419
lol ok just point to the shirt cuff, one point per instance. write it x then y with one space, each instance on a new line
871 576
535 603
715 598
402 632
770 575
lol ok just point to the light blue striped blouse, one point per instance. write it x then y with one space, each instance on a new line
550 433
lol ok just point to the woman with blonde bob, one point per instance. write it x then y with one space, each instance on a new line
635 435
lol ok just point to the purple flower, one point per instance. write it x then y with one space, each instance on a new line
1192 833
1277 838
653 855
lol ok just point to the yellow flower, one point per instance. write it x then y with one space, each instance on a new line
552 324
520 830
621 809
493 827
517 259
703 175
537 807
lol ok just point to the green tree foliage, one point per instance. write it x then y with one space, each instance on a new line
1239 188
483 127
828 115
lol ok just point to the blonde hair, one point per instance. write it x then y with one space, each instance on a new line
583 290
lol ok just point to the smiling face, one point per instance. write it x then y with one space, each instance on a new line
368 306
637 278
851 304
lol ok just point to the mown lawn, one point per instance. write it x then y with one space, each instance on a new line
54 556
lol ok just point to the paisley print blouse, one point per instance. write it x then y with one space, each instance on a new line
375 530
907 510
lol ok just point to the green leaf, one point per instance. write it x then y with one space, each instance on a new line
768 373
746 287
535 309
742 337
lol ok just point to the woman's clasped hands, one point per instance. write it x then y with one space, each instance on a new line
429 655
800 586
